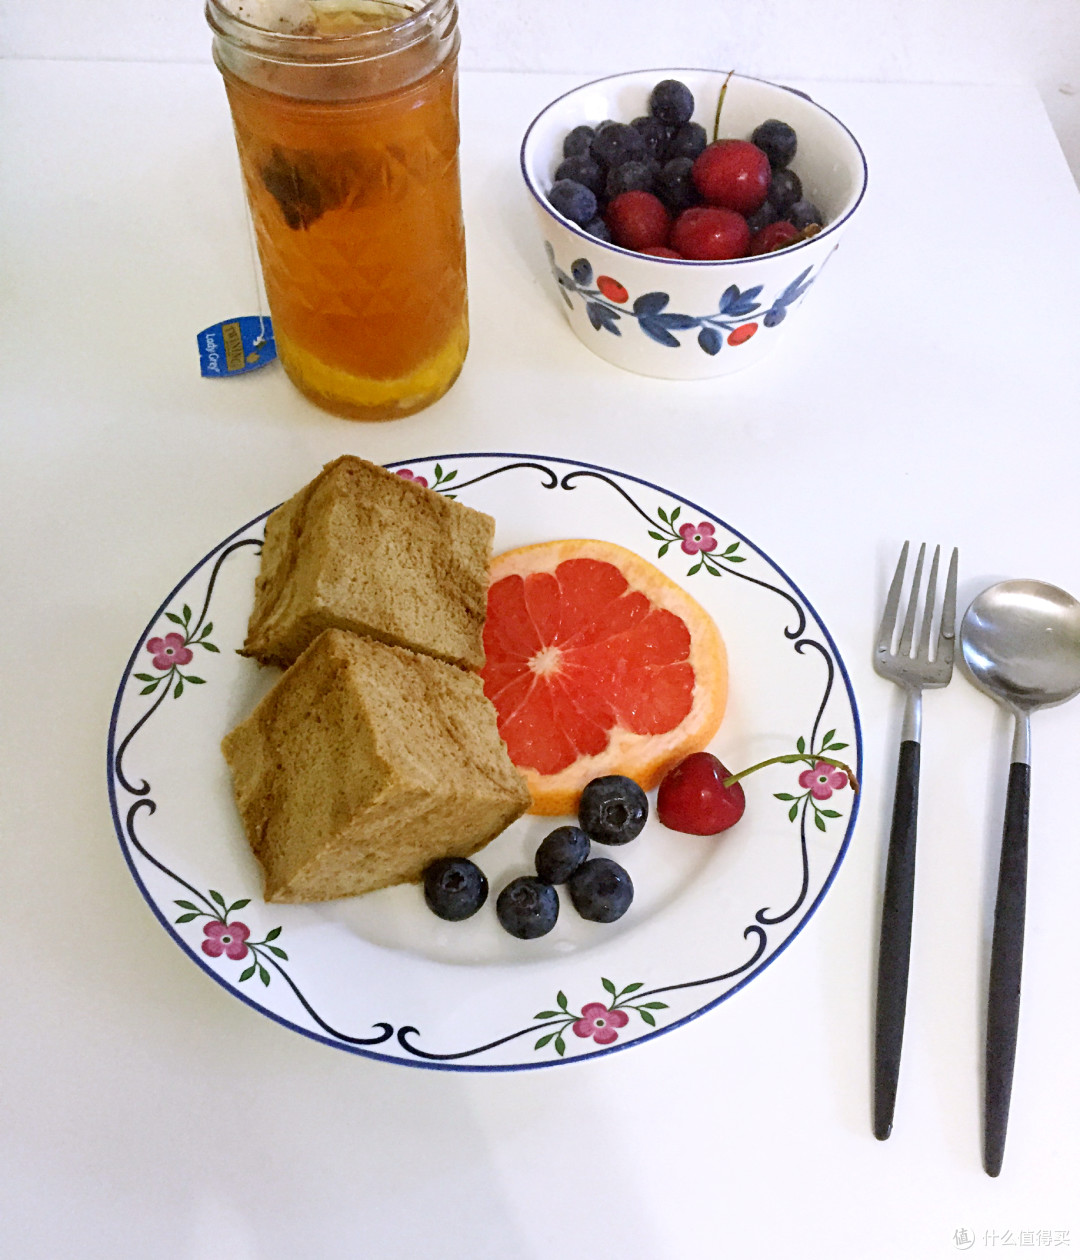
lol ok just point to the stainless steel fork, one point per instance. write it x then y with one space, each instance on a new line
913 670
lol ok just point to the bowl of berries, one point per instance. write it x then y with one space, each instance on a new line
686 213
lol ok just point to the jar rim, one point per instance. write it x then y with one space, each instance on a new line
332 45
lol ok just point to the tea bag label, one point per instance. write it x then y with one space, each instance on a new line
236 345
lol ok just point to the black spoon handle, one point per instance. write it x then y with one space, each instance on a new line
895 951
1006 961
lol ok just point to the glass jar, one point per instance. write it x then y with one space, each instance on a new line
347 129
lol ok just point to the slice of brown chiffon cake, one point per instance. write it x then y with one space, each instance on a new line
362 549
363 764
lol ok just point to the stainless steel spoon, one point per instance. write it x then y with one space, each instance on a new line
1021 643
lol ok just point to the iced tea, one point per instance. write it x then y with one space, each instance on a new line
352 178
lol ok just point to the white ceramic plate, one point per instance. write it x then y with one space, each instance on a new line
383 977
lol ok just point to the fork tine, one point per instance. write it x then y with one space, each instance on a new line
904 646
946 644
922 649
892 604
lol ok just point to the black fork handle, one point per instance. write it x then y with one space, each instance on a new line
895 952
1006 963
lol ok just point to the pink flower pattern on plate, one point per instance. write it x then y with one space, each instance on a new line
596 1021
823 780
169 651
697 538
409 475
600 1024
225 938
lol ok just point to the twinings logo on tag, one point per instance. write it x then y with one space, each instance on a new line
236 345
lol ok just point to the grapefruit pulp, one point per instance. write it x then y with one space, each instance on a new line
597 663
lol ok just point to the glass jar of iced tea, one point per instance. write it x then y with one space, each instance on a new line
346 122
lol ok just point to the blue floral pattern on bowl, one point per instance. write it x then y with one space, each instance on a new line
737 318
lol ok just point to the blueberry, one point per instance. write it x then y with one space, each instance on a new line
777 141
675 187
672 102
582 170
638 176
655 134
455 888
616 143
803 213
601 890
762 217
560 853
688 141
598 228
527 907
785 190
612 809
573 200
577 142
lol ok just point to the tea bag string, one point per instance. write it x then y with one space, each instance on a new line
256 272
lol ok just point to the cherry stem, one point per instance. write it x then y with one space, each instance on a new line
788 759
719 107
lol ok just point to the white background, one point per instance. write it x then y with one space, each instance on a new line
147 1115
920 41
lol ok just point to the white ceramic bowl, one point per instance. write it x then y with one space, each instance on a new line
679 319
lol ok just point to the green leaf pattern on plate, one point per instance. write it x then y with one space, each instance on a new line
172 651
819 781
694 540
596 1021
223 934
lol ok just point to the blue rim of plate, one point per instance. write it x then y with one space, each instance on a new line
364 1051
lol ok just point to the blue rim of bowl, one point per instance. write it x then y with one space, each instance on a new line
545 205
366 1053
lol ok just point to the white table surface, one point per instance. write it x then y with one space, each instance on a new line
932 392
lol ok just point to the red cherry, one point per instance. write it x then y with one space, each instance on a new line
710 232
659 251
732 173
774 236
742 334
638 219
692 797
611 289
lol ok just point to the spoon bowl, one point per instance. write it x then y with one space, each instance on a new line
1021 644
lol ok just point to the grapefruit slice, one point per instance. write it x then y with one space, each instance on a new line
597 663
